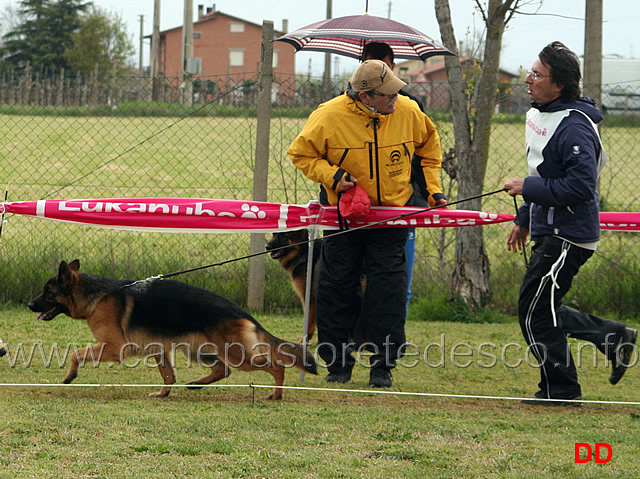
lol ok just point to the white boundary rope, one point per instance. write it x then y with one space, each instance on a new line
301 388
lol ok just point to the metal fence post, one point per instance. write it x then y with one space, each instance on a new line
255 295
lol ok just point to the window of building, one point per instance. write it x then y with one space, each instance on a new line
275 59
236 57
236 27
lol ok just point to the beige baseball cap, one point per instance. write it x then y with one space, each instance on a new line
376 75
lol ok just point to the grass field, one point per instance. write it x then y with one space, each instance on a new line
349 432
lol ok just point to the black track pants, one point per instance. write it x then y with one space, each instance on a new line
380 254
553 265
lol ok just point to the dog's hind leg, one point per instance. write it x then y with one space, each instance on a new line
278 374
168 375
218 371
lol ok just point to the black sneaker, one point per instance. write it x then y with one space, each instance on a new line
380 378
622 357
541 399
338 377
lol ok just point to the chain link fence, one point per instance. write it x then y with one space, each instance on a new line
127 137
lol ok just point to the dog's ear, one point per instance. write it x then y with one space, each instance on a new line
65 273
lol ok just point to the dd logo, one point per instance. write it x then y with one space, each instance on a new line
590 452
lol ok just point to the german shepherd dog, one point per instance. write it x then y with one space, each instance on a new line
161 316
293 260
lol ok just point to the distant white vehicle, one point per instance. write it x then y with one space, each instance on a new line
620 100
620 84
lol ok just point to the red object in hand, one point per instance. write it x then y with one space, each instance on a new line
354 204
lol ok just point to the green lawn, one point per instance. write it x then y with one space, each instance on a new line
351 432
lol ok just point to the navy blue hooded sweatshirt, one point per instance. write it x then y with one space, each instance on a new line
564 156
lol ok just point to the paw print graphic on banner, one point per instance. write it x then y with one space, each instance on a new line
252 212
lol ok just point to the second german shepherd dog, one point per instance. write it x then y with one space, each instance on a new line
291 249
160 317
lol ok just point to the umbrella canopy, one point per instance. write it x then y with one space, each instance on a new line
348 35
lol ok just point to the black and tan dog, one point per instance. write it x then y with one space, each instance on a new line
291 249
159 317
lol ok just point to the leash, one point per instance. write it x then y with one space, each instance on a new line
524 249
403 215
342 221
424 210
343 224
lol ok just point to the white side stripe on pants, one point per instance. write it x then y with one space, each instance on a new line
551 275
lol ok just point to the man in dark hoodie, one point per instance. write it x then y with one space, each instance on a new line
561 212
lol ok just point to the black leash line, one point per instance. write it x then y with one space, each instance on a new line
524 248
403 215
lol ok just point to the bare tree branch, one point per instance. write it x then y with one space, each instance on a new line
480 8
512 12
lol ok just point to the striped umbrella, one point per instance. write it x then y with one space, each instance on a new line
348 35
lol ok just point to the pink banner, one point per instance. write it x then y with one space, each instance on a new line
194 215
619 221
231 216
394 217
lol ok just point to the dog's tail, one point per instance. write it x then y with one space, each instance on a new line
289 354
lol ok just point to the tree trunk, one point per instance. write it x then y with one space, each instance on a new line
470 279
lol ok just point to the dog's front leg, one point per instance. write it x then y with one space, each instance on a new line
96 353
168 375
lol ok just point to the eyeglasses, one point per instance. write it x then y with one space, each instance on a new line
535 75
373 92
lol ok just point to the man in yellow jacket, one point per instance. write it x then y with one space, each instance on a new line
367 136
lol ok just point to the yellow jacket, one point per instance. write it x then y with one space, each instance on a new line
343 136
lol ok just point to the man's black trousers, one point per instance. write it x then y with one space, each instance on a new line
378 253
554 263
